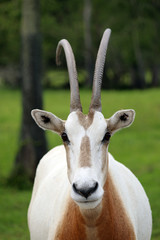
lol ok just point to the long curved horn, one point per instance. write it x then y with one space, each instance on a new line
98 73
75 103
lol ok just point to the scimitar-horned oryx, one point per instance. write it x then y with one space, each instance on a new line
80 191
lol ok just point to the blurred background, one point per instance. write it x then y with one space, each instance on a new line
134 52
29 78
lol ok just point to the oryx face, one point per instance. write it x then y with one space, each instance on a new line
86 151
86 139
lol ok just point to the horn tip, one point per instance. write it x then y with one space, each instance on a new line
108 31
59 49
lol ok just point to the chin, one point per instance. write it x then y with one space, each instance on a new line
88 204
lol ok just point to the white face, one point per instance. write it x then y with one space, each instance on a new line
86 157
86 139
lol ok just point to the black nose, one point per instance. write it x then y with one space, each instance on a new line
85 191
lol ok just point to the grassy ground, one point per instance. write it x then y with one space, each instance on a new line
138 147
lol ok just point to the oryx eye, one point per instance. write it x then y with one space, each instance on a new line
106 137
65 137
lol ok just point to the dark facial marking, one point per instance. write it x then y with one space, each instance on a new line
106 137
124 117
45 119
65 138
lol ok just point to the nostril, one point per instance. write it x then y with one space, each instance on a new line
75 187
96 186
85 191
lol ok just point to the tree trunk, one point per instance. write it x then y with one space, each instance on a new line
155 75
88 55
32 139
138 71
138 67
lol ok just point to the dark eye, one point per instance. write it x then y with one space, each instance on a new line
106 137
65 137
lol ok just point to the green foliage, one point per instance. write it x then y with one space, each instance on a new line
60 19
10 13
134 45
137 147
59 79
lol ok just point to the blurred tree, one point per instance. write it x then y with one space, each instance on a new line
137 69
9 33
88 51
32 139
150 39
61 19
133 46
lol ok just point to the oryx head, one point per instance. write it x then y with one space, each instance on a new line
85 137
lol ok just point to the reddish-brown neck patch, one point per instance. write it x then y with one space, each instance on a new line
108 221
113 223
72 226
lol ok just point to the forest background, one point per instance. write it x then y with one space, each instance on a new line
134 52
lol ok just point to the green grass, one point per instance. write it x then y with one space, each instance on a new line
138 147
13 214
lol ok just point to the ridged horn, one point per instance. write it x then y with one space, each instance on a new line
98 73
75 103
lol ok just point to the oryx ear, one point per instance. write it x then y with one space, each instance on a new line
120 119
48 121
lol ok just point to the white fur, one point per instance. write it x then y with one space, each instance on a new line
133 197
50 193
